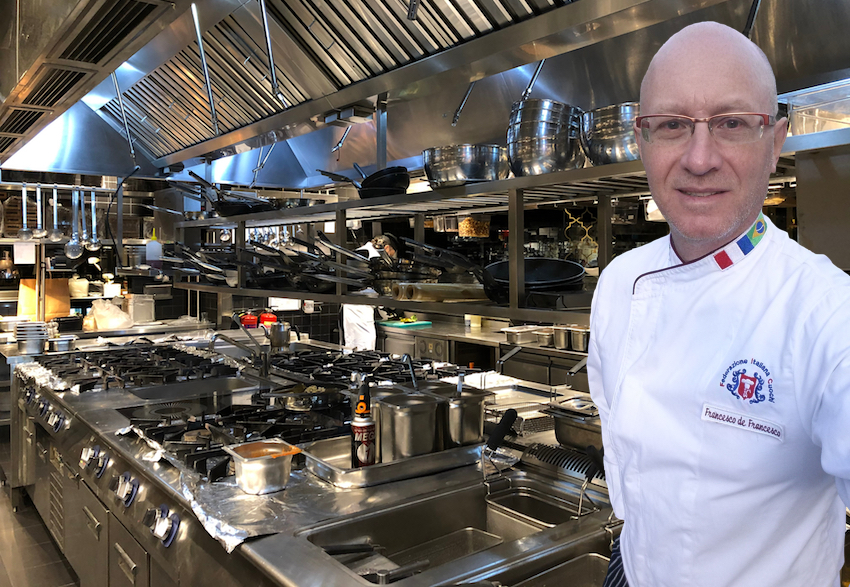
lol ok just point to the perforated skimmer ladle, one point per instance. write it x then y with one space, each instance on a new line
55 235
73 248
24 233
94 244
39 231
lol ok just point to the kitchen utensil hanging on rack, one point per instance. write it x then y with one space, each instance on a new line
24 233
84 237
94 244
55 235
73 248
39 231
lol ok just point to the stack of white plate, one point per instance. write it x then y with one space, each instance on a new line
31 337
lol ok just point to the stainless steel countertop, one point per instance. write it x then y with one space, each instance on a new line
456 332
13 357
285 557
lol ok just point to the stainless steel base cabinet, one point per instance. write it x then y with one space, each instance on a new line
128 561
86 534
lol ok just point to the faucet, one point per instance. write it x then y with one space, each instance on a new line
405 358
500 364
256 353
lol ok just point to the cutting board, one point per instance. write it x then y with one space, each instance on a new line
397 324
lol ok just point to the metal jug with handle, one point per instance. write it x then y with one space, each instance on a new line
279 334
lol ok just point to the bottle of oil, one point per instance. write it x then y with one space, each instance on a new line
363 429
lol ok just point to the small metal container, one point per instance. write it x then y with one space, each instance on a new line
561 337
408 426
521 334
62 343
545 336
460 416
31 346
579 338
262 466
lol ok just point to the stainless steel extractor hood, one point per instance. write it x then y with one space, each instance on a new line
57 51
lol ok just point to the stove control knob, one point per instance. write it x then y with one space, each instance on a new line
88 456
29 396
162 523
126 489
52 418
100 463
58 421
43 406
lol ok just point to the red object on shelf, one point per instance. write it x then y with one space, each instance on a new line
267 318
248 320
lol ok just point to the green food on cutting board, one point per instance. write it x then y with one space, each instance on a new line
399 324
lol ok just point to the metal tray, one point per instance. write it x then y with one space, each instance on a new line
330 459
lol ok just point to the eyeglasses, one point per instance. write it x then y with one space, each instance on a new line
673 129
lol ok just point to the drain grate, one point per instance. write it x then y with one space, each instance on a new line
20 121
53 86
110 27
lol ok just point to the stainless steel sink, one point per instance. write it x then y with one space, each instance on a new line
194 388
438 530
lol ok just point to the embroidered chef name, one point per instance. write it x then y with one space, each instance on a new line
742 421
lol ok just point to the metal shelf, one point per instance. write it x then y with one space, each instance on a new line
492 196
454 309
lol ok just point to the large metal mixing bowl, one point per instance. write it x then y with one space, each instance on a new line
545 155
459 164
543 111
608 134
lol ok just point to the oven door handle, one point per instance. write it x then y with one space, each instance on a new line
92 522
126 563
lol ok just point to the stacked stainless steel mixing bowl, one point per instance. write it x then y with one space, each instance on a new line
544 136
608 133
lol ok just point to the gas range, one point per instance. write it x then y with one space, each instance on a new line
137 365
194 431
336 367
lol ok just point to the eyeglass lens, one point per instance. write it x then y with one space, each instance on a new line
726 128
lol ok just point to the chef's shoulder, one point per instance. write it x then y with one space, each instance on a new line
814 280
620 275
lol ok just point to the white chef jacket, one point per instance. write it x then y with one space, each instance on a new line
722 386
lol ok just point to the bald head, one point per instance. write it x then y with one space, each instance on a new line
700 52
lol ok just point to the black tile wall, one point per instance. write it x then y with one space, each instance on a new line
322 324
177 306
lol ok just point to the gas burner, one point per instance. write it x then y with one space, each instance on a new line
139 365
168 413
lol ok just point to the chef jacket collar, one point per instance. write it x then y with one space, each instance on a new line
720 259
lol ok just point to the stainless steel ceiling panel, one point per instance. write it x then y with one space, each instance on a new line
290 58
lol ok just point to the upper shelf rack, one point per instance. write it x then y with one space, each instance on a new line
618 180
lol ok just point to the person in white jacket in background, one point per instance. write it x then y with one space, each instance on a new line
720 354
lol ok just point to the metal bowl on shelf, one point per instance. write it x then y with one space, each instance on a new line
545 155
454 165
608 134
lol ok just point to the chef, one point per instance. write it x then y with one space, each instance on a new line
720 354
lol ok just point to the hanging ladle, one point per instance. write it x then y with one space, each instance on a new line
94 244
84 237
24 233
73 249
55 235
39 231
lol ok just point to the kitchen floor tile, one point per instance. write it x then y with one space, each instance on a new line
28 555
